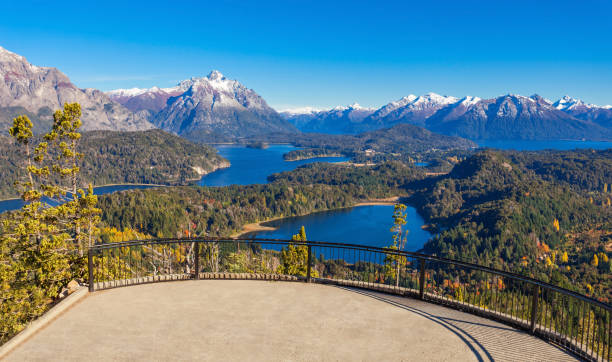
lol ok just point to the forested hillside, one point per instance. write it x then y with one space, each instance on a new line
547 215
220 211
149 157
402 142
491 211
580 169
508 210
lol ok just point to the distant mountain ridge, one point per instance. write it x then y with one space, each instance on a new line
38 91
337 120
505 117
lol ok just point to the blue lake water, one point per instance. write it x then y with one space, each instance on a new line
365 225
248 166
254 165
523 145
7 205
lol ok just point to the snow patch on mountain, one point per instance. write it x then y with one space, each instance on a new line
468 101
133 92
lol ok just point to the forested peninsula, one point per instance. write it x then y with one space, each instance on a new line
147 157
403 142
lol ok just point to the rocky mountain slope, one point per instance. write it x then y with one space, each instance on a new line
411 109
38 91
336 120
584 111
209 109
150 100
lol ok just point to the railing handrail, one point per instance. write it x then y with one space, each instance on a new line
419 256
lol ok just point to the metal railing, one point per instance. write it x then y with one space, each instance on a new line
575 322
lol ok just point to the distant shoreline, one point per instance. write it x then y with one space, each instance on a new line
105 185
257 226
329 155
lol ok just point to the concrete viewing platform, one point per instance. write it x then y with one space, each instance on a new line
272 321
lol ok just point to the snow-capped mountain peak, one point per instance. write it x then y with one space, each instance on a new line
215 80
215 75
567 103
353 107
300 110
468 101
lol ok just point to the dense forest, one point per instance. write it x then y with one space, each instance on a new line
149 157
523 217
402 142
492 211
508 210
220 211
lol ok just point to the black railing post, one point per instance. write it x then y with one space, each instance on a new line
90 269
422 279
534 307
308 266
196 261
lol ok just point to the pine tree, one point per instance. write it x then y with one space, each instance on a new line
294 258
394 262
40 244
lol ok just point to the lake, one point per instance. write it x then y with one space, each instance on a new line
248 166
524 145
254 165
7 205
366 225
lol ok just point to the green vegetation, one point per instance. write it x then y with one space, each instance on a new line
402 142
494 212
41 120
519 216
221 211
304 154
395 263
294 258
258 145
42 247
546 215
149 157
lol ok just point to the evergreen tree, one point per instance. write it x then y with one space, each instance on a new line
41 246
294 258
393 262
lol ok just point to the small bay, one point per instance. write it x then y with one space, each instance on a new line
248 166
254 165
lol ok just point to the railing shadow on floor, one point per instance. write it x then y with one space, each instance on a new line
488 340
579 324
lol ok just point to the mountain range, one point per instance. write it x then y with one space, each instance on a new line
504 117
217 109
208 109
337 120
38 91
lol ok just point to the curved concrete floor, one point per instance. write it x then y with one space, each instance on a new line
260 320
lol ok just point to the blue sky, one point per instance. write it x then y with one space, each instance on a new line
298 53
